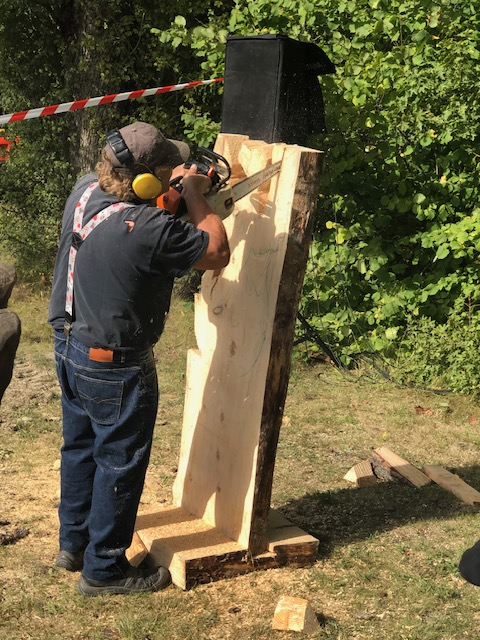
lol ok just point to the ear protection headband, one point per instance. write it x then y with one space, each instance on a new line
145 185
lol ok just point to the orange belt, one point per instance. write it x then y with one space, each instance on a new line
100 355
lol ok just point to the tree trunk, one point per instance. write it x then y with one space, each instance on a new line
87 83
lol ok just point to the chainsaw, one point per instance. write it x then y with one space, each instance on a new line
221 196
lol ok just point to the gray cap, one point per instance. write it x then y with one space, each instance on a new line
148 147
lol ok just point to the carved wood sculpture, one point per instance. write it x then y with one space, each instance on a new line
237 380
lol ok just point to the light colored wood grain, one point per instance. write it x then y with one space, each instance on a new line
361 475
137 552
295 614
226 375
197 553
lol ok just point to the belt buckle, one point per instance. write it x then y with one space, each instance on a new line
100 355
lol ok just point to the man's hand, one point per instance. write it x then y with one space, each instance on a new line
195 182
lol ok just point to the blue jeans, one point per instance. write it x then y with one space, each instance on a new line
109 412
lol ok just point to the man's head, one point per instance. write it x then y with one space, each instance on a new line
147 148
135 154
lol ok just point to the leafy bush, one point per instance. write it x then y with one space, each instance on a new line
397 236
400 212
440 355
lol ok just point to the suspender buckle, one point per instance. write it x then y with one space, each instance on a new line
67 325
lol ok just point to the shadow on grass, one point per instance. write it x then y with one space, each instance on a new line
352 514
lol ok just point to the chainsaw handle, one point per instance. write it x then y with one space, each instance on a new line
172 200
175 181
220 159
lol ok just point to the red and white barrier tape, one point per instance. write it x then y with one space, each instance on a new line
95 102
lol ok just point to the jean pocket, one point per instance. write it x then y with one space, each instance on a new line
101 399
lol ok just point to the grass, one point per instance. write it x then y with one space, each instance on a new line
387 564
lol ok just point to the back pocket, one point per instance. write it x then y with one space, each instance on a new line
101 399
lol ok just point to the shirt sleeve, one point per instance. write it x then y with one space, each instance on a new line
180 246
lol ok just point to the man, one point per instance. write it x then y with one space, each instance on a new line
10 328
469 565
117 259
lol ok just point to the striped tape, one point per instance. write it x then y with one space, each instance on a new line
95 102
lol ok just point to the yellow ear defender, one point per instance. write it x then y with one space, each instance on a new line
146 186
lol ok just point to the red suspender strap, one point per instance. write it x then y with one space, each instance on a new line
79 234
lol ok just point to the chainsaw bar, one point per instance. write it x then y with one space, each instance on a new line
243 188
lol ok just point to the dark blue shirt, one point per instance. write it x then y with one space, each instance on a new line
124 273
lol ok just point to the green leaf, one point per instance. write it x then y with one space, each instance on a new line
442 252
180 21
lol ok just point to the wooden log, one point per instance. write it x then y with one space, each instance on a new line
361 475
278 372
399 467
295 614
384 471
453 483
244 326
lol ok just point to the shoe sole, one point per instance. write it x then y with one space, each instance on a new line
68 565
86 589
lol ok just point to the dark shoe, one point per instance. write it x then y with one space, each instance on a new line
136 582
469 566
70 561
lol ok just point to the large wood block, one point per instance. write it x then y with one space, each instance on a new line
245 315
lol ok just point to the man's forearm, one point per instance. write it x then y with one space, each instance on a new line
203 217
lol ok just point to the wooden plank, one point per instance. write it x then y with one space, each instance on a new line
290 544
197 553
402 467
244 325
361 475
453 483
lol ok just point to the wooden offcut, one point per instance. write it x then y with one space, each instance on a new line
137 552
237 378
453 483
399 467
295 614
361 475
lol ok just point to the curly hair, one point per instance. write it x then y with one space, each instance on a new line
118 183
